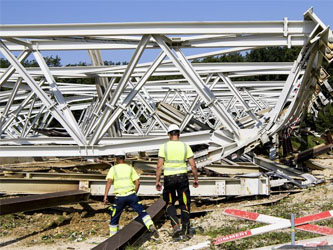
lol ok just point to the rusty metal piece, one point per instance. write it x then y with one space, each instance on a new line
40 201
327 136
312 152
133 230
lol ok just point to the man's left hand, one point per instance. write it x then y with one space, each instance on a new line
158 186
195 183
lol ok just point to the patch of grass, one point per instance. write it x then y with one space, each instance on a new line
304 142
136 248
77 237
296 143
264 240
327 206
283 210
314 141
47 239
11 221
59 236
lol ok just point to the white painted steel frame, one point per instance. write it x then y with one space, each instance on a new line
34 183
124 100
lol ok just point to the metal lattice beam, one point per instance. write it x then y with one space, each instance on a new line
130 106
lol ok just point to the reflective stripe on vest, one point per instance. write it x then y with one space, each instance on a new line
176 169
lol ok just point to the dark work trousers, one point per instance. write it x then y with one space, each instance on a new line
179 184
121 202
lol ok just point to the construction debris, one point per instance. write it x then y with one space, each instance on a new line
41 201
221 118
133 230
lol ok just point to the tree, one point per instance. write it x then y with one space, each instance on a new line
4 63
324 119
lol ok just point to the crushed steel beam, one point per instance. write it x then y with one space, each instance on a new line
126 100
272 166
133 230
32 183
41 201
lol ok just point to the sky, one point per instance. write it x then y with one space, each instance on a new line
105 11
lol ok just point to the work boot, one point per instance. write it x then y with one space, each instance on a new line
176 231
154 231
187 232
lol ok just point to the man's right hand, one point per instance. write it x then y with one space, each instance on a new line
195 183
106 200
158 186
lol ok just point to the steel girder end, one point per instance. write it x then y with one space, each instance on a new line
308 12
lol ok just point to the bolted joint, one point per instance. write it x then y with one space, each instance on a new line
109 106
123 107
176 44
51 106
211 102
62 107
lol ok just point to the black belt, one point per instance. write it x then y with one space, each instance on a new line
173 175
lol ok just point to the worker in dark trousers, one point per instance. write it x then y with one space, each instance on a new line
123 177
173 156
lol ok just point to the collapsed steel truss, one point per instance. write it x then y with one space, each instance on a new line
127 108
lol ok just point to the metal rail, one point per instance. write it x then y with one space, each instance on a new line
133 230
41 201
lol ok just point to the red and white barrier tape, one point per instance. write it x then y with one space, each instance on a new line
275 224
267 219
273 227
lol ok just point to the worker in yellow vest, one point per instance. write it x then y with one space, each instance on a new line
126 185
172 157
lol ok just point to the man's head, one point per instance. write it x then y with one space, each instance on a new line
120 156
173 131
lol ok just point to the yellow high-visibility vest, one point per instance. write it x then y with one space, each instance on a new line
123 176
175 154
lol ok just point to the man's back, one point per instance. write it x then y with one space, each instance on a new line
175 153
123 176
